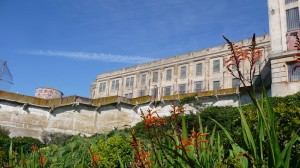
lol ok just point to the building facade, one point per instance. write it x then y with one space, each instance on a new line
194 72
205 70
284 23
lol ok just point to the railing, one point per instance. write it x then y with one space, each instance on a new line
141 100
75 100
202 94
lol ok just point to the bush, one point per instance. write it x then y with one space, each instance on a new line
227 116
4 132
19 144
54 138
109 150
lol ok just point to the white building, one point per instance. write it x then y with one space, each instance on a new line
205 70
199 71
284 26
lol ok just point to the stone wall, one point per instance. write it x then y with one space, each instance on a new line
31 116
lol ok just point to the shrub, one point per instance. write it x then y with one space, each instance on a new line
4 132
54 138
110 149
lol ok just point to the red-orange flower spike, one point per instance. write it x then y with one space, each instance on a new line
152 118
23 162
34 147
42 160
95 158
186 142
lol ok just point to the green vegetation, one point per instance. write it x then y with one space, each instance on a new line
261 134
117 147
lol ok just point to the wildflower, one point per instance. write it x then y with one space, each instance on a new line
176 111
34 147
186 142
23 163
239 55
197 135
141 156
42 160
95 158
152 118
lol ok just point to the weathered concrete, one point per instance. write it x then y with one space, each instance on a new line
30 116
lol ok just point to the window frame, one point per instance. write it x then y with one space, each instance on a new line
115 84
168 74
182 91
215 87
234 84
290 1
293 76
102 87
155 77
195 86
143 79
218 70
183 69
167 92
293 19
200 69
129 81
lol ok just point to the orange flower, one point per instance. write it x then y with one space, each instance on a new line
152 118
186 142
95 158
23 162
176 111
34 147
42 160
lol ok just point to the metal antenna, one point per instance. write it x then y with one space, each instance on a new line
6 78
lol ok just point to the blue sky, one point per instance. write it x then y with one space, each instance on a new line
64 44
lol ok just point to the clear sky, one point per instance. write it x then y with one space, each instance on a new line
64 44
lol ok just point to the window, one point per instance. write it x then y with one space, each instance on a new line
128 95
155 77
154 92
182 88
198 86
102 87
115 85
142 93
169 75
216 85
167 90
294 71
256 80
216 66
289 1
235 82
183 72
292 17
129 81
143 79
199 69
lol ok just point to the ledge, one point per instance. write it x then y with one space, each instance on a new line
71 100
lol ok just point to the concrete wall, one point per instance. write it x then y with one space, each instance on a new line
88 120
30 116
